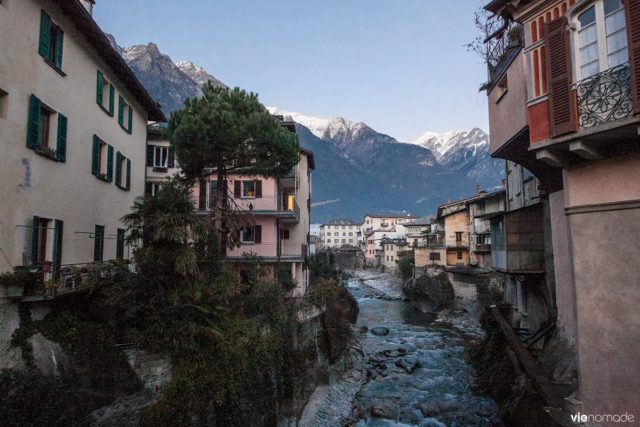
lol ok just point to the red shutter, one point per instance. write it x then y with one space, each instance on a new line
561 105
236 189
632 12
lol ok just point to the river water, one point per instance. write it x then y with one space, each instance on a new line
417 375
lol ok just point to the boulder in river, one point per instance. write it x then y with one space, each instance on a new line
431 293
380 331
383 410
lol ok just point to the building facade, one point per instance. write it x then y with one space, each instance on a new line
339 233
480 212
73 122
563 103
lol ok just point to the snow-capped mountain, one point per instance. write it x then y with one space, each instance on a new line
445 145
198 74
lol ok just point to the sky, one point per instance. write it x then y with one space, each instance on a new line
398 65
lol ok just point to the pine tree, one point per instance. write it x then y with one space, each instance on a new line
228 130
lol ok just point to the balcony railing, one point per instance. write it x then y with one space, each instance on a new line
285 206
501 50
43 282
269 251
483 247
605 97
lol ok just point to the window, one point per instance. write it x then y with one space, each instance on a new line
125 115
120 243
459 255
160 157
41 134
285 234
213 191
458 237
4 104
247 189
153 188
51 41
328 240
105 93
102 160
98 243
123 172
601 38
251 234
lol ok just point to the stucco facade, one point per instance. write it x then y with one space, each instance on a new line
37 180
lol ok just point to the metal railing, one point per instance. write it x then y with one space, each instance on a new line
268 250
500 49
605 97
274 204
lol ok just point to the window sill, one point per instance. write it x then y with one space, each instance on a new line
107 112
49 154
160 169
52 65
125 129
122 188
102 177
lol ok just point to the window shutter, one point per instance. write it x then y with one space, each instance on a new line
130 127
33 130
59 45
112 94
120 244
257 232
100 88
120 110
150 149
95 156
45 35
57 247
171 162
236 188
98 243
118 168
561 106
109 164
258 188
127 183
35 238
632 13
61 148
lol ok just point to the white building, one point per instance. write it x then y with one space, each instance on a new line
339 233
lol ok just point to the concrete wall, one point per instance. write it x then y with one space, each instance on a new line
35 185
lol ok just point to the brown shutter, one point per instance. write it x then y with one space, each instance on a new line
258 188
257 230
632 12
236 189
561 105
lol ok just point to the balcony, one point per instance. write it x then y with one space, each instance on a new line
502 50
483 247
291 180
283 207
42 282
605 97
295 252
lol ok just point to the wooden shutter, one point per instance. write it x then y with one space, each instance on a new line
59 44
171 162
561 105
236 188
98 243
118 168
35 238
95 156
632 13
258 188
257 234
45 35
150 149
120 244
127 182
100 88
112 94
130 126
109 164
61 147
33 129
57 247
120 110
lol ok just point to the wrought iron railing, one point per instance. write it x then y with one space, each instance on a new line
499 49
605 97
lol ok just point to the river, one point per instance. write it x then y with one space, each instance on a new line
413 368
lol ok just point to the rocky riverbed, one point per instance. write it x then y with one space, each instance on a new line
411 371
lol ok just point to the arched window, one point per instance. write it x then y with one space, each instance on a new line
600 37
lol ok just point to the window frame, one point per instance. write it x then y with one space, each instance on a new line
47 137
105 90
51 42
160 148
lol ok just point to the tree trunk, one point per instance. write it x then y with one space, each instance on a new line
220 219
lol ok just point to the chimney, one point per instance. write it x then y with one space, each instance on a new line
88 4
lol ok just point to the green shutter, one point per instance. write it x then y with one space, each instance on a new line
35 238
109 164
33 130
120 244
100 88
57 247
59 45
98 243
128 177
112 94
120 110
171 163
130 128
118 168
45 35
95 156
61 148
